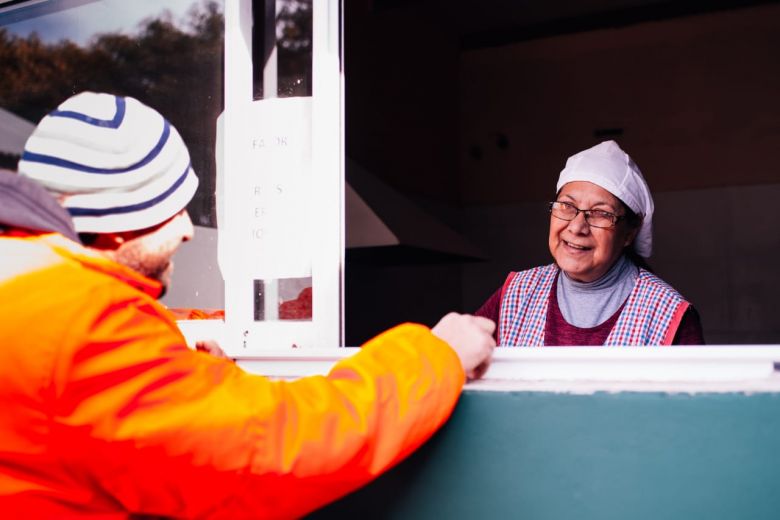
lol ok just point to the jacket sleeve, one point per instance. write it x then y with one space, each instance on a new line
164 430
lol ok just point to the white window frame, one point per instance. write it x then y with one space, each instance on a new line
579 369
241 335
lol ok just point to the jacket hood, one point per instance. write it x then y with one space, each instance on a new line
26 204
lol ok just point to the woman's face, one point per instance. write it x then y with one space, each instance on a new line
583 252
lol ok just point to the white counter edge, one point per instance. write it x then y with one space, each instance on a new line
713 368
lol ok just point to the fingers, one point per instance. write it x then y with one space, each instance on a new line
471 337
486 343
479 371
211 347
485 324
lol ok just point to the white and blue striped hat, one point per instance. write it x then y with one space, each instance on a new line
119 164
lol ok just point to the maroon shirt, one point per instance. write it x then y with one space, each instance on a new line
557 331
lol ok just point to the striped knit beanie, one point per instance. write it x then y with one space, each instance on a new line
118 164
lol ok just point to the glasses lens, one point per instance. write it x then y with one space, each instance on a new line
600 219
563 211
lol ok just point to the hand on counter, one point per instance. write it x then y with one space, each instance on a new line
210 346
471 337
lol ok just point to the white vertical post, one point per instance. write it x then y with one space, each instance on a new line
270 90
328 160
238 97
322 195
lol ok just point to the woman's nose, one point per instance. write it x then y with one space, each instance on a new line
579 225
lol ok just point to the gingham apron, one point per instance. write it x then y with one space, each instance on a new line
650 316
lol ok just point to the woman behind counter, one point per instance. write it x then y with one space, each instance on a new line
599 291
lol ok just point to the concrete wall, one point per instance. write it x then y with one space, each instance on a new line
695 97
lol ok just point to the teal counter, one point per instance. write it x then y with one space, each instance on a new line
628 455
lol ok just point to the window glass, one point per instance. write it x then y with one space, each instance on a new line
282 50
280 168
166 53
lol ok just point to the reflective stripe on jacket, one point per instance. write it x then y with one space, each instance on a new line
651 315
106 412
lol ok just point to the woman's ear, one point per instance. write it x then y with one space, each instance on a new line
632 233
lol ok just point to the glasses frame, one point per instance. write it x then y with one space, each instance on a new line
587 213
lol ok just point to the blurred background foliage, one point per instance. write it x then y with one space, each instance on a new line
177 68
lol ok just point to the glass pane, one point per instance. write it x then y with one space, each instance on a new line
283 299
168 54
282 50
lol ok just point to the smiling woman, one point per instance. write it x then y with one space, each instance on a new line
600 290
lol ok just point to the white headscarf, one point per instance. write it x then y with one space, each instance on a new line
609 167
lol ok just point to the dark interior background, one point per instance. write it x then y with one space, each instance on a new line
470 109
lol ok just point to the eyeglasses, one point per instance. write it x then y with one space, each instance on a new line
594 217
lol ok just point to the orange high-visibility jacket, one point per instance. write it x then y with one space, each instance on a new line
104 411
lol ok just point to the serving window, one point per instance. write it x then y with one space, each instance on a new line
256 89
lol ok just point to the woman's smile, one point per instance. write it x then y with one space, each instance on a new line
575 248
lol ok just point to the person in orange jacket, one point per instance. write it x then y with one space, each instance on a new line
107 412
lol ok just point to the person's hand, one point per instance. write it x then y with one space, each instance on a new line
471 337
210 346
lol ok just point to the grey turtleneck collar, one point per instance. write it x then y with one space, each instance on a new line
587 304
